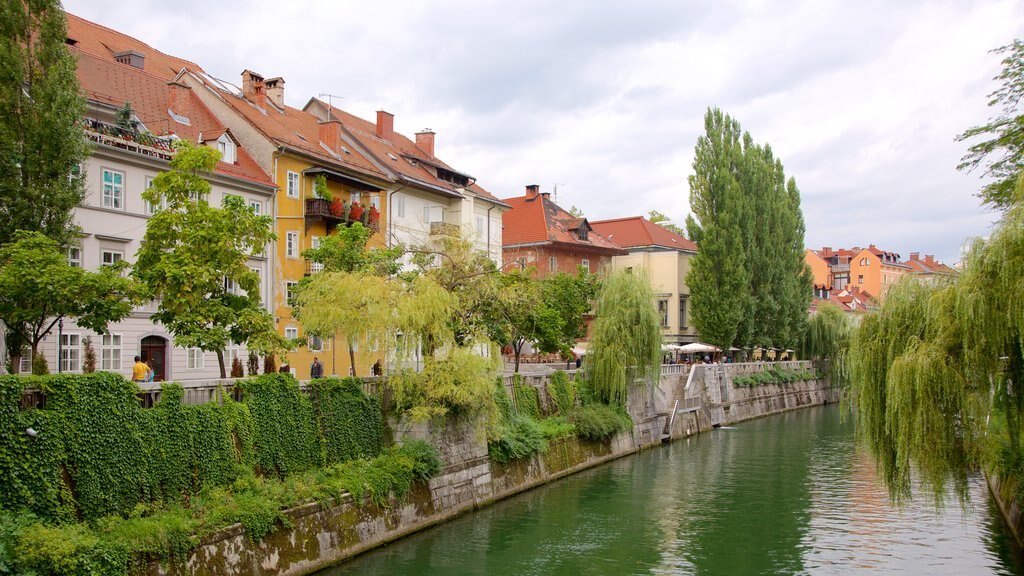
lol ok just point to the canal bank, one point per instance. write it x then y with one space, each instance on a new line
683 402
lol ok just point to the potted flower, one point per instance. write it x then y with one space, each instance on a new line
356 212
373 221
337 207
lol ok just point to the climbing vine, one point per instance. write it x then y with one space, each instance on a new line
526 398
563 391
349 421
284 427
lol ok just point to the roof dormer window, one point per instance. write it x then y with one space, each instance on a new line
226 147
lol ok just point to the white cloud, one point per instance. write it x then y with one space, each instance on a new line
860 100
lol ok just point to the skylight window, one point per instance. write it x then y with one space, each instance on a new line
178 118
301 137
392 156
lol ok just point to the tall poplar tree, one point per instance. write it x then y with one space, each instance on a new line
719 277
41 143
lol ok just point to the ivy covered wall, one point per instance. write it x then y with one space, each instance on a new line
95 451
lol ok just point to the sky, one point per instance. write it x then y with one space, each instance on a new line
602 102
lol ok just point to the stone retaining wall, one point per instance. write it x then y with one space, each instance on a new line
324 535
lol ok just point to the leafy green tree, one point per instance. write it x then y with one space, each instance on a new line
38 288
571 297
626 340
41 142
346 251
665 222
1003 149
826 339
719 277
194 254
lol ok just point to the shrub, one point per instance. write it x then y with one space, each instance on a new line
556 427
527 402
269 364
254 364
237 371
562 392
598 421
520 437
428 463
39 365
88 356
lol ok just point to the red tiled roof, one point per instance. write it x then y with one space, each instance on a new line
538 220
109 82
928 266
400 154
639 232
103 43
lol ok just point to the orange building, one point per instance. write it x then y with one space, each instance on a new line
871 270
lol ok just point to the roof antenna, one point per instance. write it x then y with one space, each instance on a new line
330 103
554 195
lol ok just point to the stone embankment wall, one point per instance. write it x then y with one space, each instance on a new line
1004 492
324 535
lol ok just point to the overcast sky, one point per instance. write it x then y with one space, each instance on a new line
860 100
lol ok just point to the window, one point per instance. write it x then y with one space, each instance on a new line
259 281
315 267
860 279
552 263
226 147
375 201
865 262
110 352
75 257
230 286
585 263
400 206
291 244
663 311
291 333
195 359
480 225
289 292
113 189
356 197
582 231
682 312
426 213
315 343
293 184
256 206
70 353
111 257
25 364
150 207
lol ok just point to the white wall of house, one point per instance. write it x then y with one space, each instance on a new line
113 219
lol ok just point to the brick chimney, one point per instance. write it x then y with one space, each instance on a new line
929 258
532 191
253 88
826 251
915 255
385 125
177 96
330 134
425 141
275 91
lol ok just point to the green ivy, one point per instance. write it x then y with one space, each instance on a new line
350 422
562 391
284 428
526 398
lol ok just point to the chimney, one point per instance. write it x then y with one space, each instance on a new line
915 255
177 95
425 141
275 91
826 251
330 134
253 89
532 191
386 125
930 258
132 58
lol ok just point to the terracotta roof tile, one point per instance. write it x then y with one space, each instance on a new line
639 232
103 42
153 98
537 220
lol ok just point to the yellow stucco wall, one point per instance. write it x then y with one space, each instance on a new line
667 271
291 218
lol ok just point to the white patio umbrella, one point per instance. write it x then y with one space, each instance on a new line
697 347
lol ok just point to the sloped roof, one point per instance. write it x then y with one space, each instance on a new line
399 155
104 42
928 266
535 220
153 99
639 232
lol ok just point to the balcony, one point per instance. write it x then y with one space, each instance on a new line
313 267
322 210
444 229
128 139
840 267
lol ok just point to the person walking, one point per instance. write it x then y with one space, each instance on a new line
317 369
140 371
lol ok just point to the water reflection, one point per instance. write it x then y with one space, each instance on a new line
790 494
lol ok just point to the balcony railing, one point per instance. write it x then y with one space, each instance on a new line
443 229
319 210
128 139
313 267
841 267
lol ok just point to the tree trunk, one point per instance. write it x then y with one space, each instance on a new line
352 357
220 361
517 349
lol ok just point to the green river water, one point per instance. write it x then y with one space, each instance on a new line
786 494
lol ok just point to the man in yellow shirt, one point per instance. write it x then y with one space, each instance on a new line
140 371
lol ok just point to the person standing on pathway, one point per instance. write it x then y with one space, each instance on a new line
317 369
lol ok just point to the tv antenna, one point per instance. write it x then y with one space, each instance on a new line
330 102
554 193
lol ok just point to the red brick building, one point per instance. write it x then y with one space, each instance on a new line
537 232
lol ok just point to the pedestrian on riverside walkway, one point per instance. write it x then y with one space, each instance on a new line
317 369
140 370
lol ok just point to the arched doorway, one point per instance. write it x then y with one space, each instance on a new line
155 348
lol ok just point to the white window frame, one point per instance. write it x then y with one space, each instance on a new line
399 206
196 359
314 267
314 343
256 206
115 256
289 293
291 332
75 256
585 262
480 225
259 280
552 264
111 351
426 214
355 197
150 207
112 192
70 352
375 201
291 244
663 312
231 287
292 185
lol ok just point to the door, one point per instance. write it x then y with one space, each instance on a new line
155 348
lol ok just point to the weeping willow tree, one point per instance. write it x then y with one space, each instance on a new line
937 373
626 340
825 340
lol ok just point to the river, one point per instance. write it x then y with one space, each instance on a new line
786 494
